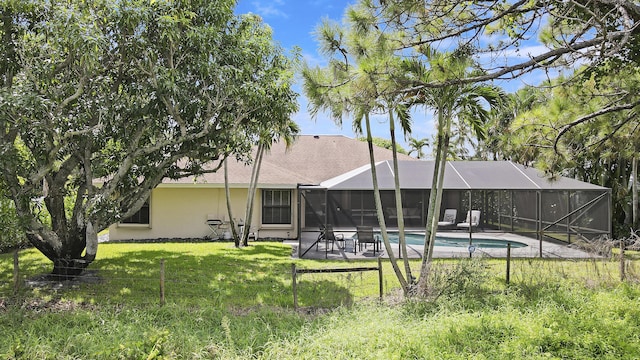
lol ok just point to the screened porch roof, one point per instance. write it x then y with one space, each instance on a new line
459 175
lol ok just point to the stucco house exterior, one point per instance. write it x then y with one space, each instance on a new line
180 209
327 179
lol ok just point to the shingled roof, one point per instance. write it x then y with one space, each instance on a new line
311 160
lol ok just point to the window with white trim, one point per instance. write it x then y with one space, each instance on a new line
140 217
276 206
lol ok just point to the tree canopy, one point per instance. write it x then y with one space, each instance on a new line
567 129
99 101
571 32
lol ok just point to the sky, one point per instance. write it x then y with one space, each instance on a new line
293 23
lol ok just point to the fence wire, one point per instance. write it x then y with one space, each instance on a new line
151 285
335 286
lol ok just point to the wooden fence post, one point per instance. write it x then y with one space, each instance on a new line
622 273
380 276
508 262
16 272
161 282
295 290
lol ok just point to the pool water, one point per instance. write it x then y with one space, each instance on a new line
418 239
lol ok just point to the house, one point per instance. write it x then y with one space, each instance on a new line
181 209
327 180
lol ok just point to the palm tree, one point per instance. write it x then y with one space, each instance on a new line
379 65
346 88
416 146
451 103
286 132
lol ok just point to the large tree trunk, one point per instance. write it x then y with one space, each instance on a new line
66 255
435 198
378 202
65 242
255 174
227 191
398 195
634 193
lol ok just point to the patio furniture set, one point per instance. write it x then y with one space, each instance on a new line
364 234
363 237
449 219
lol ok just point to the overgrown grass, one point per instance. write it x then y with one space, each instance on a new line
226 303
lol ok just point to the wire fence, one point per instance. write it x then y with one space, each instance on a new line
299 284
320 286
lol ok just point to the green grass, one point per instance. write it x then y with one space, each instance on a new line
227 303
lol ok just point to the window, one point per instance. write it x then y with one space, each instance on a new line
140 217
276 206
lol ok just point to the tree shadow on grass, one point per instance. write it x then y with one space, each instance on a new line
258 275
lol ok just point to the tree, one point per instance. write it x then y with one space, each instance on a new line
569 131
102 100
416 146
11 236
353 83
286 132
374 80
500 35
452 104
496 144
384 143
572 32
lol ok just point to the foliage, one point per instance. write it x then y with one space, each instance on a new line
552 308
569 32
416 146
466 276
559 134
11 236
601 37
385 144
105 99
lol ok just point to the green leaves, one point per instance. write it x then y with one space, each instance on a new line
121 92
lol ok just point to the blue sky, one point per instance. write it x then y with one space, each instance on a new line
293 23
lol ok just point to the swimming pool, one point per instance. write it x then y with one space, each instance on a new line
479 242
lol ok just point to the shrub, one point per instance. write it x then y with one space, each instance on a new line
459 278
11 235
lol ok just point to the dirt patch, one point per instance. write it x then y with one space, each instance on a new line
41 305
49 281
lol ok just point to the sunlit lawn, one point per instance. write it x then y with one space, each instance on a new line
223 302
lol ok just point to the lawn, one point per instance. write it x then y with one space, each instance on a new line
226 303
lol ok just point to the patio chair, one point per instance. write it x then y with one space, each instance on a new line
449 218
328 235
472 220
217 226
365 236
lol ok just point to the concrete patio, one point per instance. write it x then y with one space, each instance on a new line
308 249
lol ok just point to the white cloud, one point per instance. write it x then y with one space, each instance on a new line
313 60
270 9
527 52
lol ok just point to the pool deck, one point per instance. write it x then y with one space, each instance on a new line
311 250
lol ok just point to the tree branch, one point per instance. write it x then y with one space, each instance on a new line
588 117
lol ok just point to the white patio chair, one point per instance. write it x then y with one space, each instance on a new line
449 218
472 220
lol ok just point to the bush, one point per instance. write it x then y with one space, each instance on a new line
11 236
462 277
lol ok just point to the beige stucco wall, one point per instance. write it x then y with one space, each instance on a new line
181 212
